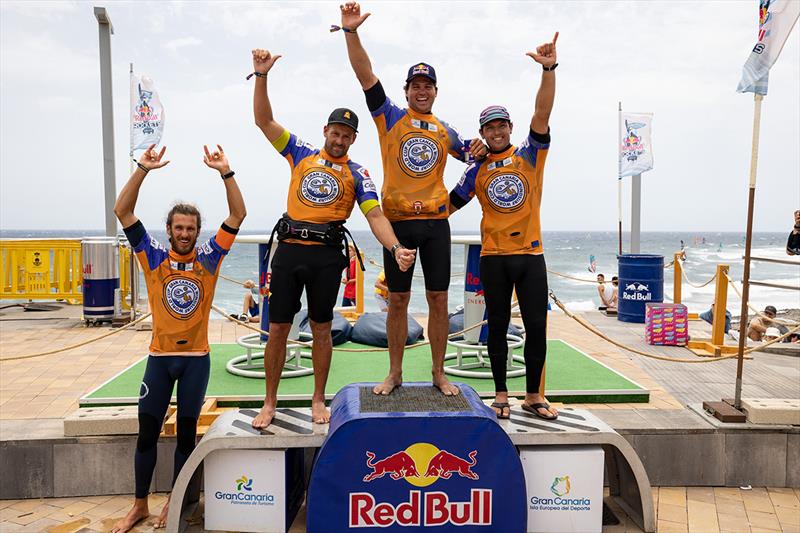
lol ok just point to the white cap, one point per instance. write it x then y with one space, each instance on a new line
772 332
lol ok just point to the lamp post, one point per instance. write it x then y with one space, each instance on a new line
105 30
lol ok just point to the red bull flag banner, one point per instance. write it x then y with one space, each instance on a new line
636 145
776 18
147 114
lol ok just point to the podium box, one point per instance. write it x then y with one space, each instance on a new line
253 490
564 488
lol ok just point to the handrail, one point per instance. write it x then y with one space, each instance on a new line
775 260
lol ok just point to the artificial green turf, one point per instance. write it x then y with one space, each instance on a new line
568 370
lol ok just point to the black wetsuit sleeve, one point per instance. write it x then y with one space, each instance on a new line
457 201
793 244
135 232
376 96
542 138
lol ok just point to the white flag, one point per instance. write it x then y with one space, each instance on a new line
776 18
636 145
147 114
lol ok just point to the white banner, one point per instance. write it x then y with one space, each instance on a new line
147 114
636 145
776 18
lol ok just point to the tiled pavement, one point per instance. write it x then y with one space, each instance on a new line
678 509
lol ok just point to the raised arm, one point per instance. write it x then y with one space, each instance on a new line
359 60
545 55
262 109
219 162
126 201
383 231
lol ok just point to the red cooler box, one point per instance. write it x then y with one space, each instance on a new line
666 324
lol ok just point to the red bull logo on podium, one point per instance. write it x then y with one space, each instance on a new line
421 465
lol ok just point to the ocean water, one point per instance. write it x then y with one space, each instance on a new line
565 252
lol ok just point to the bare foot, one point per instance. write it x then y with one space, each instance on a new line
265 417
388 385
135 515
441 382
161 521
319 412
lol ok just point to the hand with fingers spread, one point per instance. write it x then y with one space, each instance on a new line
151 159
263 60
216 160
351 15
545 54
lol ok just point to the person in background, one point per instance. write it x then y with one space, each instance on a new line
708 316
793 244
382 292
250 305
758 326
349 296
614 292
604 292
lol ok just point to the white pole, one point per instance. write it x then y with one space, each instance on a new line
619 178
636 212
105 31
130 121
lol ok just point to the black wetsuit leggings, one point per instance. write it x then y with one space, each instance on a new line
191 373
500 275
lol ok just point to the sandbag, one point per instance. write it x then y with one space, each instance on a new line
370 329
340 328
457 324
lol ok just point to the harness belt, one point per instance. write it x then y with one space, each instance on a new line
330 234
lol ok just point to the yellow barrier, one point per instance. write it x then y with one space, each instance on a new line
50 269
40 269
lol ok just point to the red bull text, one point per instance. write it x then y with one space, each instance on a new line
430 509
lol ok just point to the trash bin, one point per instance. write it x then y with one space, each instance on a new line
100 277
641 281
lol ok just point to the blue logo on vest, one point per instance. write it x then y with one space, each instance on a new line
506 192
419 154
182 296
319 188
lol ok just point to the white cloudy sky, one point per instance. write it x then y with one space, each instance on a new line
680 60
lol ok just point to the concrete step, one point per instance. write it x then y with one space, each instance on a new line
781 411
93 421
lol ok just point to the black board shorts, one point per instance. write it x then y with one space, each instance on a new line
315 268
431 239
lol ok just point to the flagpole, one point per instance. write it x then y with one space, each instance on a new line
130 120
743 320
619 178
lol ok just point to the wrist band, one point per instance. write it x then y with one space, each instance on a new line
227 175
256 74
334 28
394 249
550 69
141 166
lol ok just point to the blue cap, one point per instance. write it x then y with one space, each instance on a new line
421 69
494 112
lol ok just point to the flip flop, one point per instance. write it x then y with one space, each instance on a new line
501 406
534 410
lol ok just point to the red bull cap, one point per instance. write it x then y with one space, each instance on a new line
422 69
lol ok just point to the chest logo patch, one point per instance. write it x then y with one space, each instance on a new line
319 188
506 192
419 155
182 296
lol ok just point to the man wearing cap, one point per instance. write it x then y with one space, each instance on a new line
324 186
758 326
414 147
508 184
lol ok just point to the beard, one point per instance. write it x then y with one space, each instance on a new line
175 245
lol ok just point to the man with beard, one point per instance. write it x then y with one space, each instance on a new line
180 289
414 144
323 188
508 184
